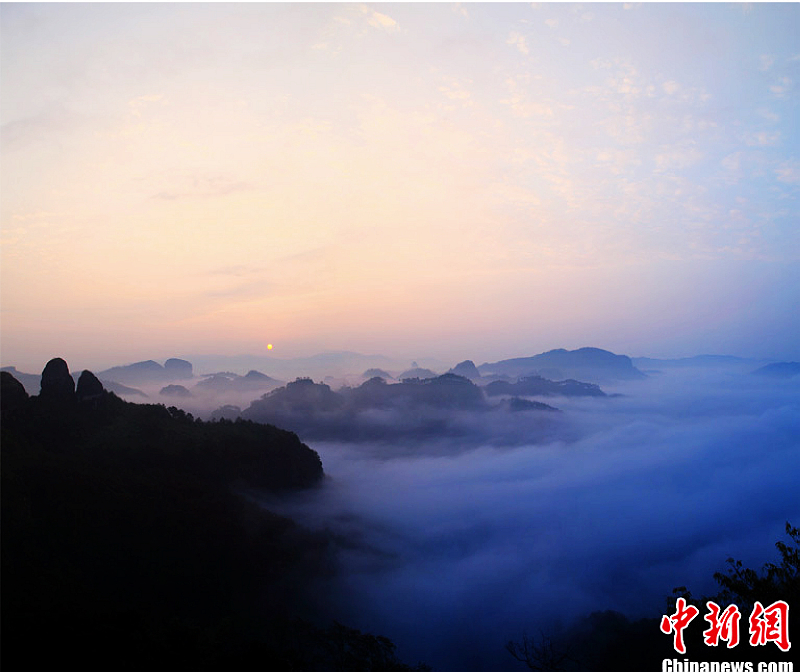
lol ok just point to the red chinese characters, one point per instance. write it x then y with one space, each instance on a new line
725 627
678 621
770 625
767 624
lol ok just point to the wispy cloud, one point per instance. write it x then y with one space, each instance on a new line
460 9
762 138
203 186
781 86
456 90
671 87
517 40
378 20
789 172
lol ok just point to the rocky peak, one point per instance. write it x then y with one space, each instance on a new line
467 369
57 384
89 386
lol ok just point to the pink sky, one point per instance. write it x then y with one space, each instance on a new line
472 180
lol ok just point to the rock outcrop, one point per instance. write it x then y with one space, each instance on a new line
12 392
57 384
89 386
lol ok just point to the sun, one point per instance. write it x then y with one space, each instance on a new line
269 346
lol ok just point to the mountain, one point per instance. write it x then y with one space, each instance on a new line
446 405
31 382
122 390
123 525
377 373
253 381
177 391
538 386
779 370
467 369
589 364
517 405
699 361
417 372
148 372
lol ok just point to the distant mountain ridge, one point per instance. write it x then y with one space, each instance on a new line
707 361
253 381
446 405
588 364
148 372
538 386
779 370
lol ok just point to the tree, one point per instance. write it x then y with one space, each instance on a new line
541 655
745 586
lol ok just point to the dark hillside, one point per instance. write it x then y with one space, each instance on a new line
124 540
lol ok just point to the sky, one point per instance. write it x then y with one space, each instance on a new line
456 180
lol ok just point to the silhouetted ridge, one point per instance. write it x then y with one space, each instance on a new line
30 381
122 529
12 392
260 455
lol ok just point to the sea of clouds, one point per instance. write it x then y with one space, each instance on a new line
453 547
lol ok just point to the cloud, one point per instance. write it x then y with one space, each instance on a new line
762 139
678 158
769 115
522 105
40 127
781 86
670 87
381 21
459 8
517 40
766 61
630 497
456 91
203 186
732 161
789 172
